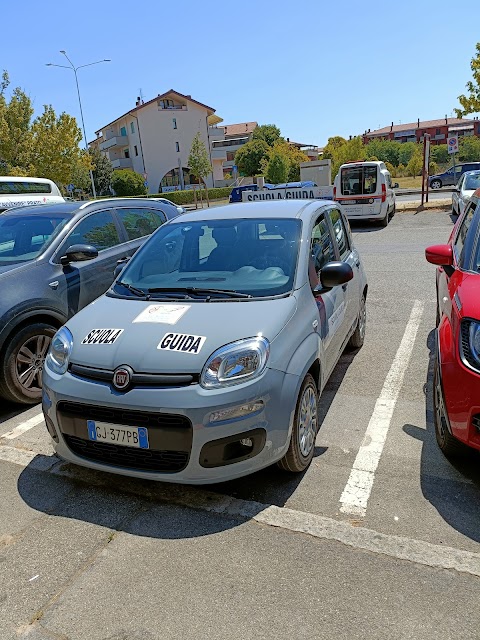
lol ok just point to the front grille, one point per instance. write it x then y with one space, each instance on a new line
128 457
465 345
118 415
159 380
476 421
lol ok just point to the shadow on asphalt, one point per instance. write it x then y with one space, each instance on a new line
457 501
116 501
10 410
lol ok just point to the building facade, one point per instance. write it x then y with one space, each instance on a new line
439 130
154 139
225 141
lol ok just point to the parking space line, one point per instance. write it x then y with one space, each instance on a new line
23 427
356 493
316 526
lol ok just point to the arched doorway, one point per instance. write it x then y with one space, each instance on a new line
171 180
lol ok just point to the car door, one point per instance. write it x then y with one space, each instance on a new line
79 283
330 304
456 197
347 253
459 246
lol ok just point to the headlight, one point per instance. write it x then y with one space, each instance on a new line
235 363
474 338
60 350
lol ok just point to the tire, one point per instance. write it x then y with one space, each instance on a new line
454 211
384 221
436 184
358 336
304 431
26 352
450 446
394 210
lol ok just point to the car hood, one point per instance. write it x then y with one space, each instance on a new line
468 193
173 337
18 268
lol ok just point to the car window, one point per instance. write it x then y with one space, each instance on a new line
340 233
24 237
140 222
322 248
472 181
459 244
98 229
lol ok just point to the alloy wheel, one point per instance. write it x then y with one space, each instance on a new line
29 362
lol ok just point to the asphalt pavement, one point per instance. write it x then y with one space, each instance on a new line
346 550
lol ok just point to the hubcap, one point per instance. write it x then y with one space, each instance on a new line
307 422
362 319
29 362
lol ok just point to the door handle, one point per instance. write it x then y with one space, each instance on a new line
344 286
357 262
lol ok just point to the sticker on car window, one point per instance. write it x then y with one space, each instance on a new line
163 313
182 342
102 336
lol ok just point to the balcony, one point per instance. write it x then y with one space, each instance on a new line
122 163
218 154
114 141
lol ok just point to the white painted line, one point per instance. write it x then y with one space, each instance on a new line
354 498
24 426
320 527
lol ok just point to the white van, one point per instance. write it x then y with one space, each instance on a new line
365 191
19 191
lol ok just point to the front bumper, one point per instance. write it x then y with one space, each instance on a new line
189 447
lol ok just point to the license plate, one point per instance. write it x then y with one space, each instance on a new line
116 434
348 202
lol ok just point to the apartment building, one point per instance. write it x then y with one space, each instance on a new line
225 141
154 139
439 130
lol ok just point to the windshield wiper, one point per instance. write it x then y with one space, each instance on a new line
137 292
199 290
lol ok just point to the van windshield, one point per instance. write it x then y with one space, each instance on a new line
24 237
215 259
358 180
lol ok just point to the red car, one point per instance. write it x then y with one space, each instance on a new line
456 394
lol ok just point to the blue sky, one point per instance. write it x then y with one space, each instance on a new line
314 68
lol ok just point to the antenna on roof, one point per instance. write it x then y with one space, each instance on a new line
141 95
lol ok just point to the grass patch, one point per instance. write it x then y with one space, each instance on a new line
409 183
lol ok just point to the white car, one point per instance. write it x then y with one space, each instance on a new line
468 183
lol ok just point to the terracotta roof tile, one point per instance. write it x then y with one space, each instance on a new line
424 124
240 128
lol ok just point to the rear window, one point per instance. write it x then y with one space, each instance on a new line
358 180
24 187
472 182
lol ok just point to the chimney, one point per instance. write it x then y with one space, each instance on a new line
288 139
369 131
418 123
137 103
446 119
391 128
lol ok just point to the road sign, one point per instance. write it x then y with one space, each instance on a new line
70 188
452 143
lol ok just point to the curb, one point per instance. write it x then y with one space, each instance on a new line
435 205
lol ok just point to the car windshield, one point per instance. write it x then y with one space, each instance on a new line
215 259
472 182
24 237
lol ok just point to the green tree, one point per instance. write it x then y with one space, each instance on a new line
471 102
277 167
249 157
406 151
415 164
469 149
332 147
102 171
353 149
198 160
126 182
269 133
439 154
385 150
55 150
15 134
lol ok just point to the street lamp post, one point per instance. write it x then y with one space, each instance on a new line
73 68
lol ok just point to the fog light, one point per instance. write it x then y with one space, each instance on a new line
235 413
247 442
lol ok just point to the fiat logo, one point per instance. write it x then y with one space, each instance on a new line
122 377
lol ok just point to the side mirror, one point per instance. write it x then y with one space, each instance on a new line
79 253
396 185
120 267
440 254
335 273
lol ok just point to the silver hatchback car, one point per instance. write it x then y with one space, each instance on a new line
206 358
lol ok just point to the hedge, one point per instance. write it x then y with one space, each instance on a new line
185 197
